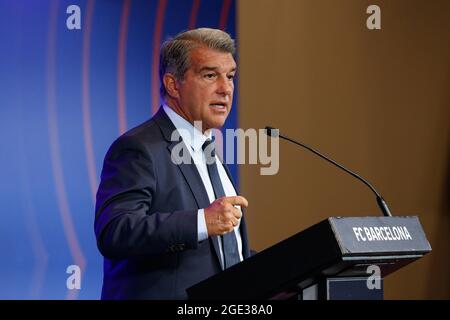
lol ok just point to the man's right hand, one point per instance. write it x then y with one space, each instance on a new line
222 216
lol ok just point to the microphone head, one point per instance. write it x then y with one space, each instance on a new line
272 132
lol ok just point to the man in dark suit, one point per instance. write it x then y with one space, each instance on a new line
163 224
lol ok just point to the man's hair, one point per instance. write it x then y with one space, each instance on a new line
175 52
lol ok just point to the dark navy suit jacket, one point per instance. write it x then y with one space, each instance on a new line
146 218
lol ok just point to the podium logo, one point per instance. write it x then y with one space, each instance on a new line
374 280
74 280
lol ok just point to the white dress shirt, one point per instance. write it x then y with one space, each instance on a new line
194 139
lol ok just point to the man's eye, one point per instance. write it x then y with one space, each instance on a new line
231 77
210 75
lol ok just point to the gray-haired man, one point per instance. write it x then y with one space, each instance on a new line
164 226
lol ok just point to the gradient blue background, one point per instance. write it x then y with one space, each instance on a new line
59 112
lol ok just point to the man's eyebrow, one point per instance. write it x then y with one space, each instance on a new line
207 68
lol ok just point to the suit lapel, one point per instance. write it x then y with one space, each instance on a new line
189 171
197 187
192 177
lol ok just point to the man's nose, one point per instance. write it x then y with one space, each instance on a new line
225 86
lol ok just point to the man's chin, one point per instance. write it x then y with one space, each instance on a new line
216 123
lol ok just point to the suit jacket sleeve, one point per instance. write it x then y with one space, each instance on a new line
124 225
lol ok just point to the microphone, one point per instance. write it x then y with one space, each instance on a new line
272 132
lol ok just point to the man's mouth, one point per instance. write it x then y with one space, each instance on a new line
219 105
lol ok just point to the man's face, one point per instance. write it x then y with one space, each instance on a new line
206 92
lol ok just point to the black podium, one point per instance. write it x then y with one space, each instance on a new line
338 258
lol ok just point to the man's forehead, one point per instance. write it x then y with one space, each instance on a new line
204 58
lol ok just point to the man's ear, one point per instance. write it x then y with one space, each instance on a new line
171 85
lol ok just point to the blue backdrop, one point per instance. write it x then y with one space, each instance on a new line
65 95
